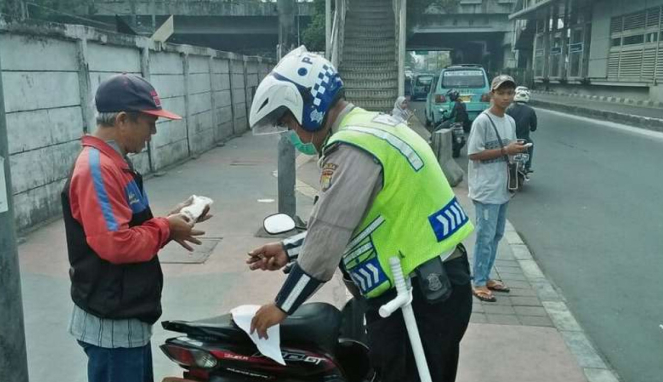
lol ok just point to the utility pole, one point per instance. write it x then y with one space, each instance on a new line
328 29
286 162
13 356
402 36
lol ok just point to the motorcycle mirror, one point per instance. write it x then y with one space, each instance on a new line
278 223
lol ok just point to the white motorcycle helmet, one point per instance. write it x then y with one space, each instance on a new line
522 94
304 83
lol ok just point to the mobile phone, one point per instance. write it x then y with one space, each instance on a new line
521 141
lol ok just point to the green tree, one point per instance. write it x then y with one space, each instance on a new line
314 35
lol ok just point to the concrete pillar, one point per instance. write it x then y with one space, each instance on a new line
213 90
402 36
656 93
13 355
247 98
441 142
287 202
145 72
546 43
564 67
328 29
85 88
187 102
231 58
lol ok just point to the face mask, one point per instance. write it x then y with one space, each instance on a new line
304 148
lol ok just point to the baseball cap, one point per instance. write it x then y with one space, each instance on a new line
129 92
500 80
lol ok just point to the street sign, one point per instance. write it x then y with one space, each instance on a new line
574 48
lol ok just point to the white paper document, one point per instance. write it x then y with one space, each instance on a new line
271 348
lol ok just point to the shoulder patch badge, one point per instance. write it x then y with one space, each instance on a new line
327 175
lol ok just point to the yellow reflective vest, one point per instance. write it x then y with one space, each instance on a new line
415 216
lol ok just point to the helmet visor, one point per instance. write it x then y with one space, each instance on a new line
271 123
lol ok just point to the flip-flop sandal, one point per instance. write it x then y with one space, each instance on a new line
483 296
498 286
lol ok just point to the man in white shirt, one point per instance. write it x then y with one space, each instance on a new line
492 139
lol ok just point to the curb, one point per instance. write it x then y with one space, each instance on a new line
653 124
627 101
589 360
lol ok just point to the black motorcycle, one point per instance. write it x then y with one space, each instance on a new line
518 174
315 344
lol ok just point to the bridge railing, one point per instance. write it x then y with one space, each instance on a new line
338 32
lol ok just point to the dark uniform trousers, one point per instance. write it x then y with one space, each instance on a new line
441 328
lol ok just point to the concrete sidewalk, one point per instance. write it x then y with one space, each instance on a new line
522 337
610 110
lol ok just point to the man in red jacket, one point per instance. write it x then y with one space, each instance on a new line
113 238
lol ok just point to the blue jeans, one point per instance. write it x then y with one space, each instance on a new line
118 364
490 222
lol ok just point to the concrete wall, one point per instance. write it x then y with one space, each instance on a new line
51 72
602 13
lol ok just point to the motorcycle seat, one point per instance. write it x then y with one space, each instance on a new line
317 323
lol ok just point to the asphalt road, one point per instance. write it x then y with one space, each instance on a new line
592 216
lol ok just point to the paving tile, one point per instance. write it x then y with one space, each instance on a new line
512 277
506 256
535 321
510 271
520 284
503 319
531 311
477 308
507 268
478 318
527 301
502 299
522 292
508 263
499 309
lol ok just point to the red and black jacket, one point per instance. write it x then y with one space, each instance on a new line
112 237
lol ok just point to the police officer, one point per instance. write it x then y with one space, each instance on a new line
383 194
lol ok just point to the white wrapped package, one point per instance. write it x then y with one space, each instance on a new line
195 209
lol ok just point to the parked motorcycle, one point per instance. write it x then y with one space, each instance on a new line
314 345
518 172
